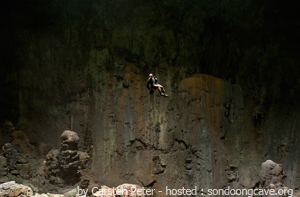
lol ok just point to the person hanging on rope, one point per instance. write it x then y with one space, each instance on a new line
152 84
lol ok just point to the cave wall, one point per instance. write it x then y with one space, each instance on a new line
86 67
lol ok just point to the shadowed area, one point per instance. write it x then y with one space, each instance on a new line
230 68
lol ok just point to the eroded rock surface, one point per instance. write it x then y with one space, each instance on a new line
271 177
65 166
208 133
83 67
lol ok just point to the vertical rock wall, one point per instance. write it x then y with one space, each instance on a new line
88 74
203 134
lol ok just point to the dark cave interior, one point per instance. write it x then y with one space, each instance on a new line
231 69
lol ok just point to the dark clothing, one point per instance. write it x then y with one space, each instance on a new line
150 83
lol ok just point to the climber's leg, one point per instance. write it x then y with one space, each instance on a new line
160 89
164 91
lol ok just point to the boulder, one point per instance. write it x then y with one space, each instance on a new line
12 189
21 141
64 166
271 174
271 177
69 140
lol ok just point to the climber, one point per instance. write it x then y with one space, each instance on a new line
152 84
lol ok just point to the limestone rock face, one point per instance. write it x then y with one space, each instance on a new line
84 68
64 166
271 176
204 134
207 134
175 142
